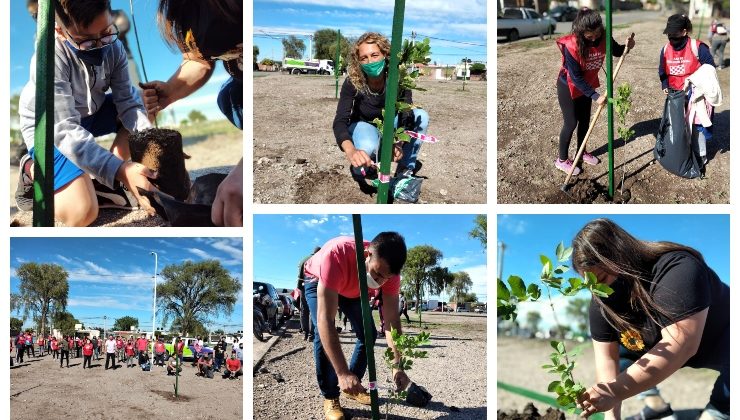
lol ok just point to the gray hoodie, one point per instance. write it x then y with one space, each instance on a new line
79 90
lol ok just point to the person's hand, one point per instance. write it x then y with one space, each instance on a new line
358 158
157 96
601 100
665 91
401 380
397 152
630 42
134 175
350 384
227 207
596 399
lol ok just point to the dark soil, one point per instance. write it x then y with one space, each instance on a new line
530 412
160 150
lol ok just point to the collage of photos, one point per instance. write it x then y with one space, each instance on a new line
598 144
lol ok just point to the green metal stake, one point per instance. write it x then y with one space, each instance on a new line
367 318
609 95
43 138
336 64
391 96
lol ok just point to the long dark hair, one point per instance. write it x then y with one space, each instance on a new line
587 20
602 243
175 16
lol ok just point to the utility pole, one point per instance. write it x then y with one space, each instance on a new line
154 308
501 249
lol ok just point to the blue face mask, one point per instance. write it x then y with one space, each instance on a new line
90 57
374 69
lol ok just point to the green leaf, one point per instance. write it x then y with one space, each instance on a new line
502 292
546 367
591 278
575 282
517 287
563 400
561 269
552 386
559 251
567 252
604 289
555 345
534 291
544 260
546 270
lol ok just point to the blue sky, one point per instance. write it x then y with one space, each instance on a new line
161 62
528 236
463 22
282 241
113 276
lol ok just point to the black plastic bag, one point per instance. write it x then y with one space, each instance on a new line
673 148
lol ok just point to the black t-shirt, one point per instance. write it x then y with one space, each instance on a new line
683 285
357 106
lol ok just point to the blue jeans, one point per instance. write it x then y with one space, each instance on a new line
231 101
366 137
325 374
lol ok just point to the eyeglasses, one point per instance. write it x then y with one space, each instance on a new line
95 43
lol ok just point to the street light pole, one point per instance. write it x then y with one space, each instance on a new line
154 311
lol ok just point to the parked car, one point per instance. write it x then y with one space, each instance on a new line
272 308
521 22
288 306
562 13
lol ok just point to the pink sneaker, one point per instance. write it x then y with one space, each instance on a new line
590 159
565 165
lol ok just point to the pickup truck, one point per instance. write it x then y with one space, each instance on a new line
521 22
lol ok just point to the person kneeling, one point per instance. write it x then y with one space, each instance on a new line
205 366
233 367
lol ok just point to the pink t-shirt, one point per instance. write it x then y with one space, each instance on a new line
335 265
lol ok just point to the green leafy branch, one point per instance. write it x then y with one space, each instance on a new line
566 387
622 105
406 346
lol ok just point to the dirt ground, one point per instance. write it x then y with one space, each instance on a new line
519 360
454 373
529 123
39 384
207 154
296 158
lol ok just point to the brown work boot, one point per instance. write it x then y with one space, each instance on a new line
362 398
332 409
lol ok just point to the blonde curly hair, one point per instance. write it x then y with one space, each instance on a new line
356 76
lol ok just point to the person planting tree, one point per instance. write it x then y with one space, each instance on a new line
583 52
331 283
361 101
668 310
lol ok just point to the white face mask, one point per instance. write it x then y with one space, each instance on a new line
371 283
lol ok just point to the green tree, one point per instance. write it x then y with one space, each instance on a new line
461 283
293 47
533 321
255 53
185 122
65 322
125 323
578 310
43 290
15 325
479 231
325 45
196 116
421 271
192 292
477 68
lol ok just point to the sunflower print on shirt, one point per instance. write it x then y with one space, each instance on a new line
632 340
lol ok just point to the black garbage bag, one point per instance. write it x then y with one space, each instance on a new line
404 189
673 148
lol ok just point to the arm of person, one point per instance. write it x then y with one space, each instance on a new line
328 301
393 319
227 209
679 343
662 75
705 55
606 356
129 105
340 126
190 76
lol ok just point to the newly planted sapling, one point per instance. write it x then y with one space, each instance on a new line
406 346
622 105
563 363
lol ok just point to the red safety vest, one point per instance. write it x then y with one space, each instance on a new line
159 347
679 65
87 349
54 345
590 66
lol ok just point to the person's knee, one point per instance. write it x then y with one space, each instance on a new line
421 117
365 137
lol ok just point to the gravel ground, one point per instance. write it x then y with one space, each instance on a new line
296 159
454 373
519 360
529 123
124 393
202 157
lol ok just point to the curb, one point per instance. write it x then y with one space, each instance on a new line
257 360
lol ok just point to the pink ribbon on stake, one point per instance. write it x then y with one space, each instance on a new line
422 137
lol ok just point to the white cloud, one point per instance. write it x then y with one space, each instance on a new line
511 224
202 254
479 276
452 262
106 302
20 260
97 269
225 246
64 259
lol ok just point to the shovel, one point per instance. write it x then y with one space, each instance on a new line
593 122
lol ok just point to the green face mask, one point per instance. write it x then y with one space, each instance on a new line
374 69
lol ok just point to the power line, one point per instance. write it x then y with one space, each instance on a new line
453 41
